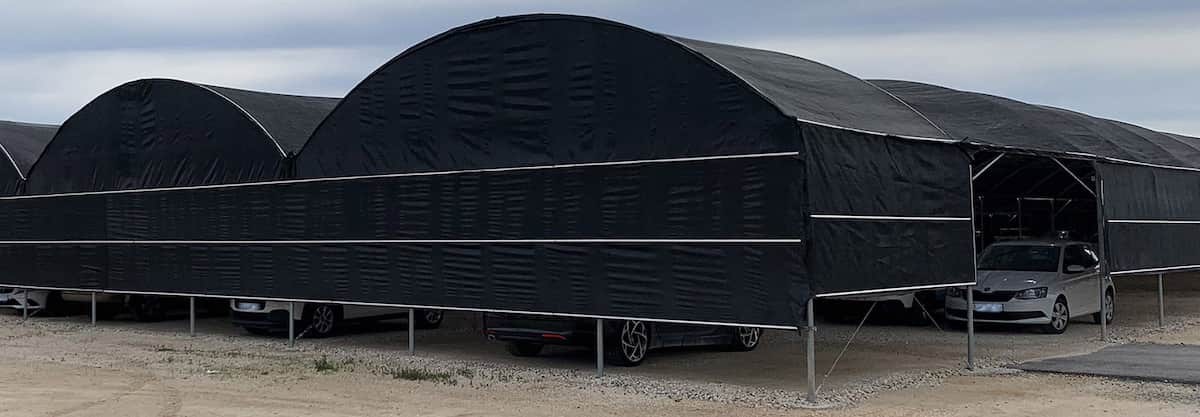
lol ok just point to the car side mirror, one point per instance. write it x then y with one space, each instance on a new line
1074 269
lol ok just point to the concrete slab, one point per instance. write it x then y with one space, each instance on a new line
1146 362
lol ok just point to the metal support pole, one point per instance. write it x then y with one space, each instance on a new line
93 308
291 324
599 348
25 305
1103 313
810 356
192 316
1162 311
971 328
412 331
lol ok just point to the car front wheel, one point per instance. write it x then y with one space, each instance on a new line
745 339
1060 317
630 345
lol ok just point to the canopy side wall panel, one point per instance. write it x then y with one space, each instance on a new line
458 240
921 194
1152 217
542 92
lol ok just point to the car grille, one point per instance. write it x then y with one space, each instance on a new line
995 296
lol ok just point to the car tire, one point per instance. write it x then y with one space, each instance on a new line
1111 305
745 339
524 349
429 319
147 308
321 320
1060 317
628 344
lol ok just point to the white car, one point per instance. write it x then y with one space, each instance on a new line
1044 283
317 320
50 303
16 298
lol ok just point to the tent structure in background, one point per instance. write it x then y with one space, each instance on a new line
156 133
79 211
20 145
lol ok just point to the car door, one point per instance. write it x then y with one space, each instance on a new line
1080 286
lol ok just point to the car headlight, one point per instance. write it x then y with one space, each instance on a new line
1032 293
954 292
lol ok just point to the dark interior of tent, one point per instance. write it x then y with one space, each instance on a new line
1026 196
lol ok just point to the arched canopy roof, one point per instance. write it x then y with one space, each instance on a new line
20 145
1003 123
555 89
164 133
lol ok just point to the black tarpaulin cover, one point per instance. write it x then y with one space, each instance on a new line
547 90
987 120
163 133
20 145
1148 209
543 163
1152 216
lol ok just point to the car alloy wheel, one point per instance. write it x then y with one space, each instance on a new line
635 340
1060 316
749 336
433 316
323 318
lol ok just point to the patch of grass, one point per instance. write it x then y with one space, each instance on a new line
422 374
466 373
325 365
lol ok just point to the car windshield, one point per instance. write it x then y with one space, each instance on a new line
1020 258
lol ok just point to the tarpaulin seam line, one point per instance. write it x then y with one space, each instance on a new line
896 289
416 306
1162 269
13 161
248 115
899 218
871 132
378 241
906 104
410 174
1154 221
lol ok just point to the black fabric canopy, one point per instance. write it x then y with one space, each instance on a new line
998 122
162 133
20 145
536 162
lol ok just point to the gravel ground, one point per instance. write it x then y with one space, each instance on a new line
882 361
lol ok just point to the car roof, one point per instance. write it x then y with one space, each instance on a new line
1039 242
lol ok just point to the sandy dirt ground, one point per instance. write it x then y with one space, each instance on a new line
65 367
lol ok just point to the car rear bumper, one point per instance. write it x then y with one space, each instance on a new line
533 329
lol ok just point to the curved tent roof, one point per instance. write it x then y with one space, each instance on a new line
20 145
162 133
550 89
992 121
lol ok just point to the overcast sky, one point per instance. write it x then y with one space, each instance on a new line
1136 61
